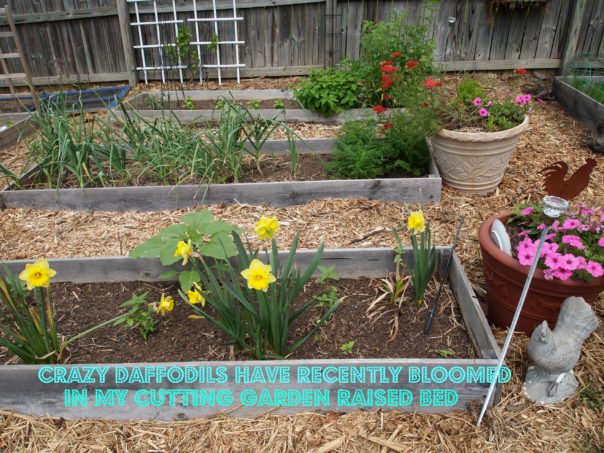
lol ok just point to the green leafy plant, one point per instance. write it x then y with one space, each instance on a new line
253 104
188 104
29 327
213 43
347 347
182 53
139 315
279 104
327 273
328 91
445 353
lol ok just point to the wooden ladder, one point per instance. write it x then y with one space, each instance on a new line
18 54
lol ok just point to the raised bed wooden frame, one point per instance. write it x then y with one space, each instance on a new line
298 115
286 193
21 390
21 127
579 105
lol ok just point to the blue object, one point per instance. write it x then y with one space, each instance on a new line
92 99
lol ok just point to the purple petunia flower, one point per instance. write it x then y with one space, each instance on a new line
483 112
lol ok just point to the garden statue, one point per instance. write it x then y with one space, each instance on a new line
550 378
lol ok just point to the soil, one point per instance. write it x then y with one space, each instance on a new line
311 167
210 104
178 338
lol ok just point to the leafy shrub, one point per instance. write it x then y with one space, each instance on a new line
358 154
366 149
328 91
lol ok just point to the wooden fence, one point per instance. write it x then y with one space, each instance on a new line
83 40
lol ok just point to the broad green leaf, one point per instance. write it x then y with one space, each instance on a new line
148 249
166 254
168 275
195 219
187 278
173 231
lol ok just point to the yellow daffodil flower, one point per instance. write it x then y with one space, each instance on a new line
267 227
183 249
258 275
195 295
37 274
166 304
416 222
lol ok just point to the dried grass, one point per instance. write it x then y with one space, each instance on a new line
515 424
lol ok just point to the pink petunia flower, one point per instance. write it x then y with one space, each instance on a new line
527 211
483 112
601 242
573 241
562 274
550 236
526 258
553 261
523 234
581 263
570 224
549 274
477 101
541 227
595 269
568 262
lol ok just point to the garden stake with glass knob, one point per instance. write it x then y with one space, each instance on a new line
443 277
553 207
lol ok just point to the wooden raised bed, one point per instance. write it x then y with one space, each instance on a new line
21 389
290 115
21 127
151 198
579 105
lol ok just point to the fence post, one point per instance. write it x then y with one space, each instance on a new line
572 37
124 20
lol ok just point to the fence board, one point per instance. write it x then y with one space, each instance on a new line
69 38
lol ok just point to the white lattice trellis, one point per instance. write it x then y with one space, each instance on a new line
198 22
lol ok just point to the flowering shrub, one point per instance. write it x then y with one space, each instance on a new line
574 248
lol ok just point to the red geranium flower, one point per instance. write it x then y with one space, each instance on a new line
411 64
386 82
521 71
388 69
379 109
439 84
385 96
387 62
395 54
388 125
430 84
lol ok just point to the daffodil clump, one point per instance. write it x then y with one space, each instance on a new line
252 291
30 328
422 266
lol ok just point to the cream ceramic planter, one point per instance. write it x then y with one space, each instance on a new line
474 162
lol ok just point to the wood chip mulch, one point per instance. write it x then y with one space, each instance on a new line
516 424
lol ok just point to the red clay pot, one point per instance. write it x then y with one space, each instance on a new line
505 278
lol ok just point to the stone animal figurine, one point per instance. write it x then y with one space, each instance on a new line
555 353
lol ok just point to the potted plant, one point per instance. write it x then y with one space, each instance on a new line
477 135
570 264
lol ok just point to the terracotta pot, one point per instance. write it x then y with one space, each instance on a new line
474 162
505 278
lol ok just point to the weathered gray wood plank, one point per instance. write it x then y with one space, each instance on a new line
578 104
287 193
